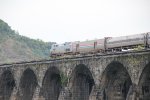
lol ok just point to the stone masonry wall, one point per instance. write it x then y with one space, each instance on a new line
98 77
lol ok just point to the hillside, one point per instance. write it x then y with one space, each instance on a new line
15 48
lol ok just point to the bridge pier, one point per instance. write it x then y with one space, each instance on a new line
36 93
65 94
14 94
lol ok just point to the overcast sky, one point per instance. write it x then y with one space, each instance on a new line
72 20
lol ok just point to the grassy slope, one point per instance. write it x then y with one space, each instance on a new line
15 48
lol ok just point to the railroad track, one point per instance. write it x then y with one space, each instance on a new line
98 55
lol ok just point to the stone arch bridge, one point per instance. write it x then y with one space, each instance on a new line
122 76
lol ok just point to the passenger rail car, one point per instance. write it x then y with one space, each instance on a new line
126 42
105 45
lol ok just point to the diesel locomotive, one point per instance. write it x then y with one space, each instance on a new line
105 45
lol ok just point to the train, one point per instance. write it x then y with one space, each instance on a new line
103 46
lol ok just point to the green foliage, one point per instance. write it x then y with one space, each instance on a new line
139 47
64 79
4 28
37 48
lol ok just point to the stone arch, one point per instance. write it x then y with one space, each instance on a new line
81 82
7 84
27 85
115 82
51 84
144 83
34 69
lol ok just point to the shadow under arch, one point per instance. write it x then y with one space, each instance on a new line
144 83
27 85
7 83
81 83
115 82
51 84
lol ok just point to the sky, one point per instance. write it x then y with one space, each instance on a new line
76 20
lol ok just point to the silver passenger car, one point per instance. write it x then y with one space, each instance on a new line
126 41
89 46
